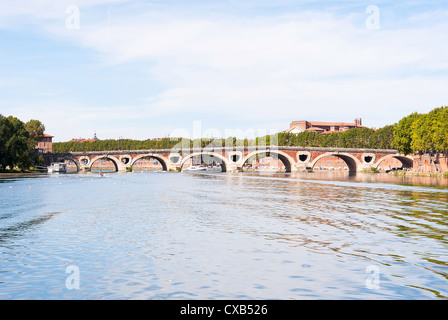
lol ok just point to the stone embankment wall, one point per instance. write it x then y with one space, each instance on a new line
431 163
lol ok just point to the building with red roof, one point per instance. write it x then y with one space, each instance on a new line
322 127
86 140
45 144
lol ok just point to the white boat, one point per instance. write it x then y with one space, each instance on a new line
57 167
214 168
195 168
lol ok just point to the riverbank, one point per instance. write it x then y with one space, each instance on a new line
408 173
419 174
8 174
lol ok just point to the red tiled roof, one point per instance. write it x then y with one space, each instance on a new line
84 140
341 124
315 129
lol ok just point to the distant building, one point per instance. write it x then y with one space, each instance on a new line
86 140
45 144
322 127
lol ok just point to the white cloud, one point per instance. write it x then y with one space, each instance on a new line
269 69
293 63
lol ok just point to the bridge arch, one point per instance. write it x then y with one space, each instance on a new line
161 160
68 158
224 162
107 157
406 161
287 160
352 162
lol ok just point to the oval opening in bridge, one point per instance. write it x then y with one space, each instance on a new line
235 158
303 157
368 159
174 159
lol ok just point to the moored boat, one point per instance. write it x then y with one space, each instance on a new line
195 168
57 167
214 168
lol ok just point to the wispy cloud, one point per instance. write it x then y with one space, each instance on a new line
266 68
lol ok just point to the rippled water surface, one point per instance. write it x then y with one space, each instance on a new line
223 236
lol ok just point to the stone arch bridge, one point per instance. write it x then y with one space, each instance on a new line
233 159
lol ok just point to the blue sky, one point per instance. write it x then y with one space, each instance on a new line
144 69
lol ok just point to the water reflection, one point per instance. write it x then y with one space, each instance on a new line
347 219
21 228
218 235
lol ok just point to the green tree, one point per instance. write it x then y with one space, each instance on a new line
14 144
358 137
421 134
35 129
430 131
403 134
440 133
383 138
5 135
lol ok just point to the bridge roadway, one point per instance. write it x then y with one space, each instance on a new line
233 158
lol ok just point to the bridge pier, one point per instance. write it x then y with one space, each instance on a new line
301 167
365 167
234 168
122 168
172 167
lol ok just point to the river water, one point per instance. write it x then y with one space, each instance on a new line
159 235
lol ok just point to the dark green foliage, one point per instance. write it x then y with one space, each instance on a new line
423 132
403 133
15 144
35 129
